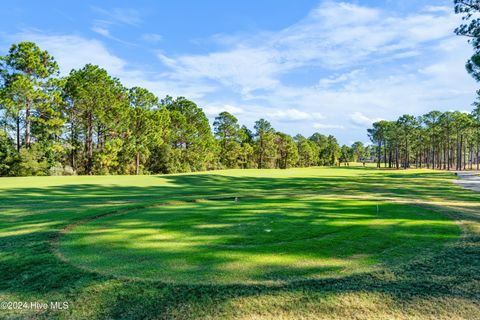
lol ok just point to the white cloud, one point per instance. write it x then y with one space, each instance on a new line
333 36
369 60
213 110
152 37
295 115
114 17
73 52
166 60
359 119
243 69
127 16
339 79
102 31
441 9
327 126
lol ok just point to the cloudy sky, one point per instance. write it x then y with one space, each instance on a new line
304 65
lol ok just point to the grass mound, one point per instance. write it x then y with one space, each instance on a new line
256 240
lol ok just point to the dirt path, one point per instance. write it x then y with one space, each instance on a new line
469 180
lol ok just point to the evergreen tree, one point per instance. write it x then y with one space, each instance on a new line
97 109
287 152
27 72
308 152
191 135
227 132
141 130
264 144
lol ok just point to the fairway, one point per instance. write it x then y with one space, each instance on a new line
256 240
321 242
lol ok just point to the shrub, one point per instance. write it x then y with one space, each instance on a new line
59 170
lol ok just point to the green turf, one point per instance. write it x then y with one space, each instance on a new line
256 240
341 260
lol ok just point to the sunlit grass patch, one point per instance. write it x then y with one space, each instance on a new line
256 240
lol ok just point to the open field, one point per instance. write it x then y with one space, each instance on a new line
302 243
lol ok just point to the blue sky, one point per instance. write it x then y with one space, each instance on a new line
304 65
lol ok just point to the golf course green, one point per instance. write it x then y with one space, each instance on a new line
326 243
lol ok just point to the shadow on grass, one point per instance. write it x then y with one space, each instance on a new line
28 267
255 239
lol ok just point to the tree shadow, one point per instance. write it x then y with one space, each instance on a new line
30 217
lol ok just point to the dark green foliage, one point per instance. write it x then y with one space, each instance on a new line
264 144
346 155
331 152
191 135
8 154
469 10
287 151
227 131
96 110
308 151
143 129
29 90
359 152
31 162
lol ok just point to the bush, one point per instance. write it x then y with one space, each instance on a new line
59 170
8 155
32 162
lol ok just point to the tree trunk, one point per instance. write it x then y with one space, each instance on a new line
18 133
73 151
27 123
137 164
433 154
458 157
406 154
385 153
444 165
476 156
470 156
89 145
448 151
390 158
427 156
397 164
379 154
461 153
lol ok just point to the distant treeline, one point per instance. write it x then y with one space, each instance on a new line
89 123
436 140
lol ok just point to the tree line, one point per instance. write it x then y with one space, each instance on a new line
436 140
89 123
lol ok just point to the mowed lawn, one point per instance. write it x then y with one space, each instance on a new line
302 243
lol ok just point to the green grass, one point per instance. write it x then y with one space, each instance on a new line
255 240
302 243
